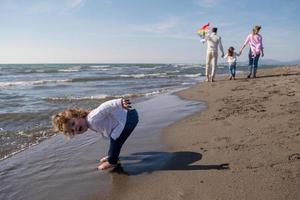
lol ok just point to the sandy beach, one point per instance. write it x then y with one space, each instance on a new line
244 145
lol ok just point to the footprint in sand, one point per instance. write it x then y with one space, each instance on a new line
291 93
239 88
294 157
274 92
226 139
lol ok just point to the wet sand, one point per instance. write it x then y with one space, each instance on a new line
245 145
67 169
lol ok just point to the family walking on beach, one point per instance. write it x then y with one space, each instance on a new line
214 42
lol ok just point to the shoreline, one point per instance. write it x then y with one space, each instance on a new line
243 145
67 169
37 139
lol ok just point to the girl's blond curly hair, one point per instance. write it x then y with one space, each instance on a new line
61 119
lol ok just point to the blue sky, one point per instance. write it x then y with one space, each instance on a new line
143 31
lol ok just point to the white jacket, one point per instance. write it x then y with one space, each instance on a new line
108 119
213 42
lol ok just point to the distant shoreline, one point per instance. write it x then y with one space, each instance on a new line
262 62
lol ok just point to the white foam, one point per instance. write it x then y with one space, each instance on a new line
72 98
99 66
71 69
190 75
144 75
28 83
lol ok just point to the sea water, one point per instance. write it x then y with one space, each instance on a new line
31 93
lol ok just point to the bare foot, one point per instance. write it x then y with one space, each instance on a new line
106 165
207 79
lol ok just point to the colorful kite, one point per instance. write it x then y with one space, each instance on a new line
202 32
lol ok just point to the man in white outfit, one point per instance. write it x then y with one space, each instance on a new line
213 42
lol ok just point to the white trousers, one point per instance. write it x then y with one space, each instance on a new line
211 64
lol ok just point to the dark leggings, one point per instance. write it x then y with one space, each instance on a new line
116 145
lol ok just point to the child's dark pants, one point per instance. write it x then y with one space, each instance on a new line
116 145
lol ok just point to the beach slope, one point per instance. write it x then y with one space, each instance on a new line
244 145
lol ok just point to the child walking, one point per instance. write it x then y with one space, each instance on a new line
113 119
231 59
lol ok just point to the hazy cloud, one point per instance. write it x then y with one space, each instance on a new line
37 7
207 3
75 4
161 27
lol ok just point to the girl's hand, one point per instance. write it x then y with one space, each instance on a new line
126 104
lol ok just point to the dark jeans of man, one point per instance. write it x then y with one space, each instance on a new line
253 62
116 145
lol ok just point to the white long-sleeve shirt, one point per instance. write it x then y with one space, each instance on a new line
233 58
108 119
213 42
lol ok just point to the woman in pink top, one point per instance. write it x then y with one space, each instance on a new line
256 49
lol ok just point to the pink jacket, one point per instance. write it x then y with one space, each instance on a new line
255 43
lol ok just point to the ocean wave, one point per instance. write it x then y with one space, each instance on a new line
15 142
33 71
85 79
89 100
102 97
156 92
119 77
29 83
8 118
138 76
98 98
186 66
70 69
48 70
100 69
190 75
189 67
99 66
94 78
74 98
